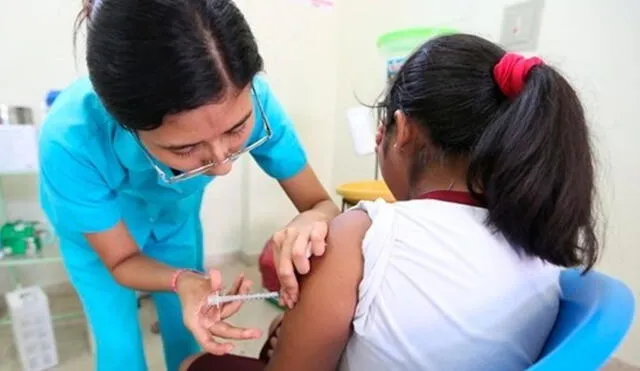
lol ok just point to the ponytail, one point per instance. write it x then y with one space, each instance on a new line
521 129
533 168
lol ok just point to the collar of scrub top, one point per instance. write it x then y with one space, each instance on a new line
180 177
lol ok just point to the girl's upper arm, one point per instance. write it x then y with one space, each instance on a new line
314 334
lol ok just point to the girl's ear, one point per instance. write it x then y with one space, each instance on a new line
402 130
379 134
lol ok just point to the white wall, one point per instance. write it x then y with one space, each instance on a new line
593 42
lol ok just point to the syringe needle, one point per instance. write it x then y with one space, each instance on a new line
216 299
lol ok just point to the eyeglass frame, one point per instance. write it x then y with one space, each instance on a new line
204 168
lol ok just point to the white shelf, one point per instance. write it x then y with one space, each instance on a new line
19 172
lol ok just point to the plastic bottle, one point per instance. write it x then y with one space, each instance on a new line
48 101
396 45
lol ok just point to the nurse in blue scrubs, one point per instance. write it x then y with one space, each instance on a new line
173 97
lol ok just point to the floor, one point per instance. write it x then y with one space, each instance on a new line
73 344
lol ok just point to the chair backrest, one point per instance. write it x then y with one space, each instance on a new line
596 311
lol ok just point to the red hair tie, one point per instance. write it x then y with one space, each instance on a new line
512 71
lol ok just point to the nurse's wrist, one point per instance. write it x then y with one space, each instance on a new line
186 280
322 211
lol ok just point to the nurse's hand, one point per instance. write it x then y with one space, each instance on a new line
205 321
292 249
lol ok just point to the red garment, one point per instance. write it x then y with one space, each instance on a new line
268 269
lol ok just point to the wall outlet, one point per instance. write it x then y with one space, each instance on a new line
521 26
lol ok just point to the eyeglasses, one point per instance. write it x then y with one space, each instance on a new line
172 179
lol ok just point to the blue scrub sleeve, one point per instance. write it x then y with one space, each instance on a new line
281 157
74 195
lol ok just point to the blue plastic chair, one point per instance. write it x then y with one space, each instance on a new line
596 311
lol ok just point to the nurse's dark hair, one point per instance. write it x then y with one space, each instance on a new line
147 59
530 159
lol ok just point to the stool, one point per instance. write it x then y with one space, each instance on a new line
367 190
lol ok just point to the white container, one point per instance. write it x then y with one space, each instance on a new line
361 127
32 328
18 149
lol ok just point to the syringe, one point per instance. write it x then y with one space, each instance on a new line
216 299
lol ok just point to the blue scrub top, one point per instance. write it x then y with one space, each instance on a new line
93 173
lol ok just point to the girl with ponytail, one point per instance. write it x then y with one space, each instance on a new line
488 156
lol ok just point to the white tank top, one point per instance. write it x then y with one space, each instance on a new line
440 291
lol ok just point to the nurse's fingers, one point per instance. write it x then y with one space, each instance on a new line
300 253
216 348
276 242
215 278
317 239
229 309
209 344
286 273
226 331
236 285
208 315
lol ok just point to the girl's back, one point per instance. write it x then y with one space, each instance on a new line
441 291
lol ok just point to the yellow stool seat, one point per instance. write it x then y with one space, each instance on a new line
366 190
